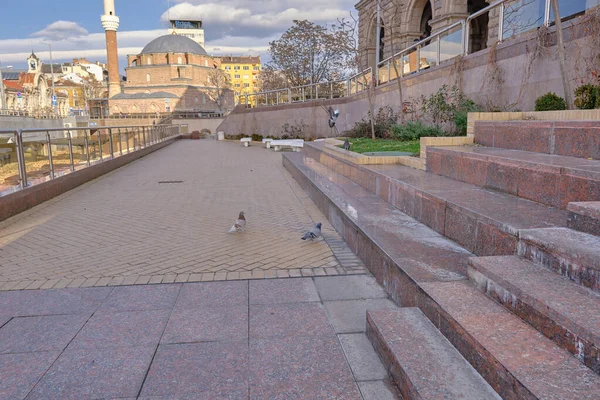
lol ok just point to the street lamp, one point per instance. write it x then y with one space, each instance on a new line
52 73
378 44
2 98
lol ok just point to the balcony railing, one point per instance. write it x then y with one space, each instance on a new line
512 17
32 156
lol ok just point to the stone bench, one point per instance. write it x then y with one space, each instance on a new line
267 143
246 141
294 144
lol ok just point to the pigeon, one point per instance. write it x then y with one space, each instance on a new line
240 224
347 145
313 234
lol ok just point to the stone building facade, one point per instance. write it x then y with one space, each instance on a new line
405 21
172 73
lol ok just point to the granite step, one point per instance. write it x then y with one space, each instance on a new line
423 363
485 222
547 179
585 217
566 138
570 253
514 358
563 311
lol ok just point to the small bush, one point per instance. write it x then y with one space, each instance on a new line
256 137
586 96
415 130
550 102
385 118
598 101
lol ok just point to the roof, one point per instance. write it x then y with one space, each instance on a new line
173 44
11 75
27 77
155 95
47 70
12 85
240 59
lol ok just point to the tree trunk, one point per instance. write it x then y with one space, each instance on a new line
400 94
371 107
561 56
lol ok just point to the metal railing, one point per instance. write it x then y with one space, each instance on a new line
23 113
513 18
315 91
32 156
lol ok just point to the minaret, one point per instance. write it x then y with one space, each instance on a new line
110 22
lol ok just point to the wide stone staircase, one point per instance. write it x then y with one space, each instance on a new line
493 253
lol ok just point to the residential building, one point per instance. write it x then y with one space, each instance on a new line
244 73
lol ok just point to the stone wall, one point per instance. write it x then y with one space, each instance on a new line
9 123
502 77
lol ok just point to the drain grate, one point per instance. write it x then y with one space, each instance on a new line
168 182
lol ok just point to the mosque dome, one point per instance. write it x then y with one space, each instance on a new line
173 44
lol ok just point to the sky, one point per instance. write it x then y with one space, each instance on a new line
73 28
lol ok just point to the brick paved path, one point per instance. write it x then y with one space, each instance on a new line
127 228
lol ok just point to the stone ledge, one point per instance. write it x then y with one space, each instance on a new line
360 159
22 200
443 142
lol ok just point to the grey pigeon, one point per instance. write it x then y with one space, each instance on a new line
313 234
239 225
347 145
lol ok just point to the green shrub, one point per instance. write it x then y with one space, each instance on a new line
449 104
586 96
414 131
385 118
598 101
256 137
550 102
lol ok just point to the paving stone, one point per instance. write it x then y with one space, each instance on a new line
45 333
350 316
205 370
138 298
213 294
294 319
12 302
315 368
283 291
64 301
20 372
349 288
364 361
95 373
122 329
378 390
207 324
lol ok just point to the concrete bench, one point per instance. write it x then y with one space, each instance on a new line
294 144
267 143
246 141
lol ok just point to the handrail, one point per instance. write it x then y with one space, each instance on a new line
137 137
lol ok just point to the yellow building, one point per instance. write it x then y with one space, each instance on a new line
244 72
74 91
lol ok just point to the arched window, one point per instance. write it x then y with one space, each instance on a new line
149 61
179 60
147 77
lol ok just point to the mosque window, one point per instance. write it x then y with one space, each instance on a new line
147 77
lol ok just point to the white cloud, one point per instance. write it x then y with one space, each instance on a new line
60 30
231 27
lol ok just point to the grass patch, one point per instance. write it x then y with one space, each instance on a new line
364 145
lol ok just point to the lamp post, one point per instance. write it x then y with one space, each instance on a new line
2 98
378 44
52 73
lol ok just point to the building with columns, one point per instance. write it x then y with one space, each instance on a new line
402 22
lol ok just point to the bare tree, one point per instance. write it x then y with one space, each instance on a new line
398 5
309 53
350 29
219 86
561 56
271 79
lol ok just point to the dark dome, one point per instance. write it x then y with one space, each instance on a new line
173 44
